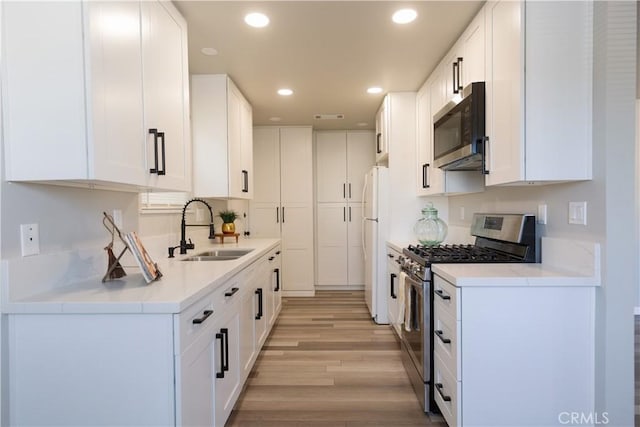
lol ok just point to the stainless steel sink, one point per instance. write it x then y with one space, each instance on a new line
219 255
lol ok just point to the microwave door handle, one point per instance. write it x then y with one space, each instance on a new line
485 144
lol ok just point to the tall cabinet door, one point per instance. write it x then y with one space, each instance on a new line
360 158
264 211
331 163
332 257
296 186
166 99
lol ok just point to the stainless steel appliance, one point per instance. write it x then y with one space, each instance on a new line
499 238
459 140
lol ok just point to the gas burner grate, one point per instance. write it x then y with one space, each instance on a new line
458 253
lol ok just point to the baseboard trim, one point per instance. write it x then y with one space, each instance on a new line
298 293
339 287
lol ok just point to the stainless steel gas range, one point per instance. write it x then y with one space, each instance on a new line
500 238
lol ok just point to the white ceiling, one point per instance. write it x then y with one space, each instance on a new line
328 52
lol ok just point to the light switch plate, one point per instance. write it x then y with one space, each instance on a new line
578 213
29 239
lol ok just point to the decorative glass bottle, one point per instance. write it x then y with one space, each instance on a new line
430 230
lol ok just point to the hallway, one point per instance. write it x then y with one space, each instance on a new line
327 364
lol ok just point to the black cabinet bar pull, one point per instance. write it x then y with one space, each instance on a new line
344 214
441 294
221 338
205 316
393 293
245 181
259 293
439 387
271 258
349 213
349 190
277 271
344 191
390 255
455 85
231 292
439 333
283 214
277 215
164 156
154 132
378 144
225 332
425 178
277 252
459 72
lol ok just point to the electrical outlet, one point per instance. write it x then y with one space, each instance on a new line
578 213
542 214
29 239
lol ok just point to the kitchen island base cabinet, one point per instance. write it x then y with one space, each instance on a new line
513 355
164 369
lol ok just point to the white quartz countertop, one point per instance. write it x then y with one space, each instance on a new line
182 283
462 275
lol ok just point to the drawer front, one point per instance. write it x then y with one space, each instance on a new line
198 319
447 393
445 340
447 295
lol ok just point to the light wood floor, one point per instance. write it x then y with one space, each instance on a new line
327 364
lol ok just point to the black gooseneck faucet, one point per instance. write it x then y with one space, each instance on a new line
183 229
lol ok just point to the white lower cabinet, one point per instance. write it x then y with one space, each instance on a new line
394 307
184 369
507 355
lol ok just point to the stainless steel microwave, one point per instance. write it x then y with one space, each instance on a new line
459 139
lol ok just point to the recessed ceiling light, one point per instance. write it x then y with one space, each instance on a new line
275 119
374 90
362 124
209 51
404 16
257 20
285 92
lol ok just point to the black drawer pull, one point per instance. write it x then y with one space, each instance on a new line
439 387
259 293
439 333
277 252
393 293
205 316
277 271
271 258
390 255
231 292
441 294
220 336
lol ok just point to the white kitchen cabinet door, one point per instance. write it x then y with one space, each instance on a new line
354 242
394 307
227 365
473 51
529 143
284 167
360 158
452 72
196 366
166 89
248 347
332 244
222 141
331 166
275 274
382 132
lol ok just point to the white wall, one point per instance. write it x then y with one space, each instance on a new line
612 199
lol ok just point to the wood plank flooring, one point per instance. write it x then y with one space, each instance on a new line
326 363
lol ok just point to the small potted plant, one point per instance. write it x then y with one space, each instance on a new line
228 216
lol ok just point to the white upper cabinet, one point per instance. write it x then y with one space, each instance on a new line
431 180
539 122
382 132
222 138
79 112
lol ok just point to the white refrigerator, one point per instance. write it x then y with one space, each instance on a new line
375 226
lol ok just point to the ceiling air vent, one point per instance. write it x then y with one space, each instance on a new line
328 116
